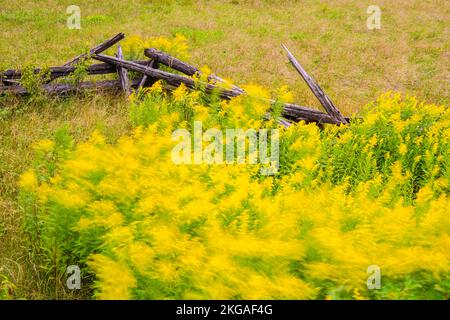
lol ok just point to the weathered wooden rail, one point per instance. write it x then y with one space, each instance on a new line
149 73
58 72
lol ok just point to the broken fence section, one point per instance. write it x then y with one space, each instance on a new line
149 71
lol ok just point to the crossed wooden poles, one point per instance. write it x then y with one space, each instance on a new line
150 72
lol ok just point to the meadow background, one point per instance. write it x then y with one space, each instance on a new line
239 40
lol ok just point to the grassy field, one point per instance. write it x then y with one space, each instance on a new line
239 40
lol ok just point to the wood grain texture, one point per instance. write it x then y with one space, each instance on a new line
123 74
316 89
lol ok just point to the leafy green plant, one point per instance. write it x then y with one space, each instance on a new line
33 82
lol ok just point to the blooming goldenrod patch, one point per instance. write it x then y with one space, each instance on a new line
374 193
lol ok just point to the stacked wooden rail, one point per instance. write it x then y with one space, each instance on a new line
10 80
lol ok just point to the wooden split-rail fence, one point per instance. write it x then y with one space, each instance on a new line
149 72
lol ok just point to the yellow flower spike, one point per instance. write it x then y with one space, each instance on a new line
285 95
28 180
116 278
97 138
44 146
157 87
205 72
402 149
180 93
256 91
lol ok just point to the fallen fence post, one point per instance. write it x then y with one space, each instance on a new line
316 89
57 72
65 88
151 64
181 66
123 74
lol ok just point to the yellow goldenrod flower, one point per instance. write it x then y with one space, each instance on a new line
28 180
44 146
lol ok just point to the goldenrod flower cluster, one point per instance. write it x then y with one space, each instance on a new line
345 198
134 46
